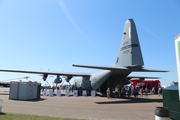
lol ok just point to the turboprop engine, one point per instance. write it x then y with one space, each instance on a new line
58 79
68 78
45 77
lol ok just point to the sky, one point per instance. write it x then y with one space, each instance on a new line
54 34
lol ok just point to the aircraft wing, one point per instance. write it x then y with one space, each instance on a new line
46 72
101 67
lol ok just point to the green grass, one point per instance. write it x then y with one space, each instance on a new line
10 116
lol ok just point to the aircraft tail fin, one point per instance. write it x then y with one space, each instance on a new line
130 51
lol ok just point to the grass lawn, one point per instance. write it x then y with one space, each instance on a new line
10 116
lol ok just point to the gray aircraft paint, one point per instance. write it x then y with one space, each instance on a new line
129 59
130 51
129 55
94 81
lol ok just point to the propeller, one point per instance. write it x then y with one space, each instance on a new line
45 76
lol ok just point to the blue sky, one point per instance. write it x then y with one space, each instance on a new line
43 34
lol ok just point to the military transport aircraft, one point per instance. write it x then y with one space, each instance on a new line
7 84
129 60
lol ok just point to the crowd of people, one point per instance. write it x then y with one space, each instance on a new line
133 91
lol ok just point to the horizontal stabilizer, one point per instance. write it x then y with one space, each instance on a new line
101 67
143 77
135 68
149 70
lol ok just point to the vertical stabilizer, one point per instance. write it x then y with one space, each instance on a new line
130 51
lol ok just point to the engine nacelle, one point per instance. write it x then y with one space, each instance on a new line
68 78
58 80
45 77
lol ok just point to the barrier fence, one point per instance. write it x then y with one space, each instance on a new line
51 93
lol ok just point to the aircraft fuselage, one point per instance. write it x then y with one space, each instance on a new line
96 79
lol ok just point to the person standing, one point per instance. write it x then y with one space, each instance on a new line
108 93
141 92
116 91
159 91
153 90
134 92
146 91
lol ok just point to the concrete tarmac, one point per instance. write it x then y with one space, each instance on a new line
89 108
